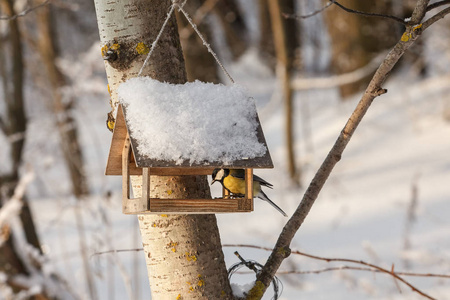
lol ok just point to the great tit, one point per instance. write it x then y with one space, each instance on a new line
233 180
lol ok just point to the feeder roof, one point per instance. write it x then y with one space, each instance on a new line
192 125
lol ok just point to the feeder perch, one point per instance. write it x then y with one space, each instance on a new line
125 159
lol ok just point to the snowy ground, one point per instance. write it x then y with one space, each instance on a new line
362 213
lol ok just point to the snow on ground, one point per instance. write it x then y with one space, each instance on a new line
362 213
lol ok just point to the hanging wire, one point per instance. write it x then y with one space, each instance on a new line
180 5
205 43
255 267
157 37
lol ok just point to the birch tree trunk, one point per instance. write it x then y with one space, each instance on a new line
183 252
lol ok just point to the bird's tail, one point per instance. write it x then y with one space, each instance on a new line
263 196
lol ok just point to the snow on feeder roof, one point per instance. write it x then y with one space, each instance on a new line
187 126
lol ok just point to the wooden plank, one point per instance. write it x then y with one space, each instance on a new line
181 171
145 203
218 205
249 189
114 163
133 170
134 206
125 176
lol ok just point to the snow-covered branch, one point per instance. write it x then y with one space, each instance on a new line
11 208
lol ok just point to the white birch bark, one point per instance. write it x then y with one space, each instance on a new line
183 252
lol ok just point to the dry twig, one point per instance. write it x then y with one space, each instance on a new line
366 14
369 267
293 16
25 12
438 4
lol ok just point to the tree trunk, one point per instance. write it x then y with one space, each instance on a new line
183 252
235 30
200 64
356 39
266 46
62 107
14 126
284 69
67 129
267 40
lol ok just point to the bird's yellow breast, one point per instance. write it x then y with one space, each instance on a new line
237 186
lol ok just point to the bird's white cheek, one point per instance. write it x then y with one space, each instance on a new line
219 175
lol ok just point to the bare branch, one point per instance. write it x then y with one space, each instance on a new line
297 17
3 127
419 12
25 12
397 19
349 10
372 267
338 80
366 269
361 262
435 18
437 4
414 21
345 267
281 249
116 251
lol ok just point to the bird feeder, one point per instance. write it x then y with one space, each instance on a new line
126 159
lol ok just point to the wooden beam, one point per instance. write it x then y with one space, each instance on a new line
249 189
145 201
218 205
113 165
125 174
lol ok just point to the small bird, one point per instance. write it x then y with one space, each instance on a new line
233 180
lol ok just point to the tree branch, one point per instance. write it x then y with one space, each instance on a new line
281 249
293 16
349 10
371 267
419 12
394 18
300 83
367 269
361 262
437 4
397 19
25 12
435 18
320 258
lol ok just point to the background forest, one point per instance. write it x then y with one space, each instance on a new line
306 63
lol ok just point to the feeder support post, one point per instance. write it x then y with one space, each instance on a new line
249 189
125 173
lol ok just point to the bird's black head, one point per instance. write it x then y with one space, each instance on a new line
219 175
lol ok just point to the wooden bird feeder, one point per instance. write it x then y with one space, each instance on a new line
126 160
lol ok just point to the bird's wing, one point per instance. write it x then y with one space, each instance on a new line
240 173
262 181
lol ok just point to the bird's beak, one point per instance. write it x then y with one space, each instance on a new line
213 181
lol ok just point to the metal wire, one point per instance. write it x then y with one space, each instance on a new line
194 26
255 267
